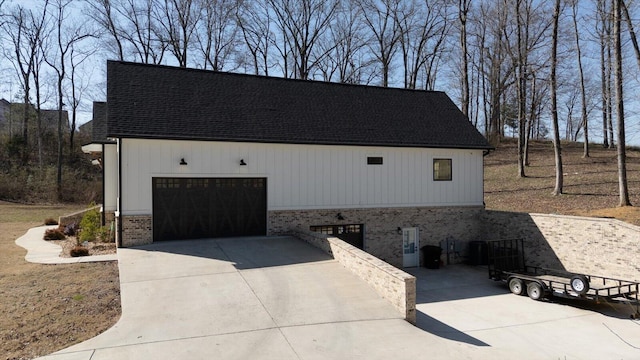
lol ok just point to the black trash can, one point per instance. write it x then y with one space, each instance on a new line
431 256
478 253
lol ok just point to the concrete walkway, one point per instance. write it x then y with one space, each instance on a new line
43 252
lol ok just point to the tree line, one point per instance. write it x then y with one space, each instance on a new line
519 66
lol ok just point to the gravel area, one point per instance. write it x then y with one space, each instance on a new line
95 248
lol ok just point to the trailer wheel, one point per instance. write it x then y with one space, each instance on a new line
516 286
535 290
579 284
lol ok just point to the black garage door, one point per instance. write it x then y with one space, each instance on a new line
194 208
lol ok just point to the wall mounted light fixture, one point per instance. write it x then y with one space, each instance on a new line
242 163
339 216
183 162
399 230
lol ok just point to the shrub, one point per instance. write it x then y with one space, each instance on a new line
104 234
54 234
50 221
79 251
70 229
90 224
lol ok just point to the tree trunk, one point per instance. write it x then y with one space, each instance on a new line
622 162
583 91
609 93
554 101
632 33
25 126
463 8
59 165
603 78
520 86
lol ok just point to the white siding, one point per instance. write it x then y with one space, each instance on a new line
307 176
110 180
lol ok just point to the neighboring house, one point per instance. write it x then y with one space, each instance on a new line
11 118
5 108
195 154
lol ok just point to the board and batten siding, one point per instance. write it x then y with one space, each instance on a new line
307 176
110 181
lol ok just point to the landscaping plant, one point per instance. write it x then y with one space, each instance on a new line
89 225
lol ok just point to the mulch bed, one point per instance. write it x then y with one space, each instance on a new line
95 248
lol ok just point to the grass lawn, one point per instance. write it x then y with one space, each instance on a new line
45 308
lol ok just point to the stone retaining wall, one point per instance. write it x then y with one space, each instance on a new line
596 246
75 217
393 284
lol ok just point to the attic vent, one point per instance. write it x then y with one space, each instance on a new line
374 160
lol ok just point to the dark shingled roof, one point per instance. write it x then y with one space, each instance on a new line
151 101
99 127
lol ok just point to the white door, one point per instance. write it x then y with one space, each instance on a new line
410 245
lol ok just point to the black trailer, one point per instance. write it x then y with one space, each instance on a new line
506 263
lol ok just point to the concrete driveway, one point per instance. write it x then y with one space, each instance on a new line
280 298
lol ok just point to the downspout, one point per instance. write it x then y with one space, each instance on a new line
119 194
484 153
104 217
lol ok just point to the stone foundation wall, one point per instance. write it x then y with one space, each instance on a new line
392 284
605 247
136 230
109 217
459 225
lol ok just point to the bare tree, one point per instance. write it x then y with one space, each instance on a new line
554 100
346 60
380 19
216 33
303 24
142 29
423 28
632 33
37 73
24 28
603 28
131 27
530 30
106 17
622 161
583 91
254 20
66 35
463 11
177 21
496 65
78 84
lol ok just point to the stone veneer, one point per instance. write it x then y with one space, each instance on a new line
595 246
136 230
392 284
381 238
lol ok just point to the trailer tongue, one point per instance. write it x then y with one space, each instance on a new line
506 263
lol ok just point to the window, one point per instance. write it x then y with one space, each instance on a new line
351 233
442 169
374 160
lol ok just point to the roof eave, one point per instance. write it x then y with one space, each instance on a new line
303 142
